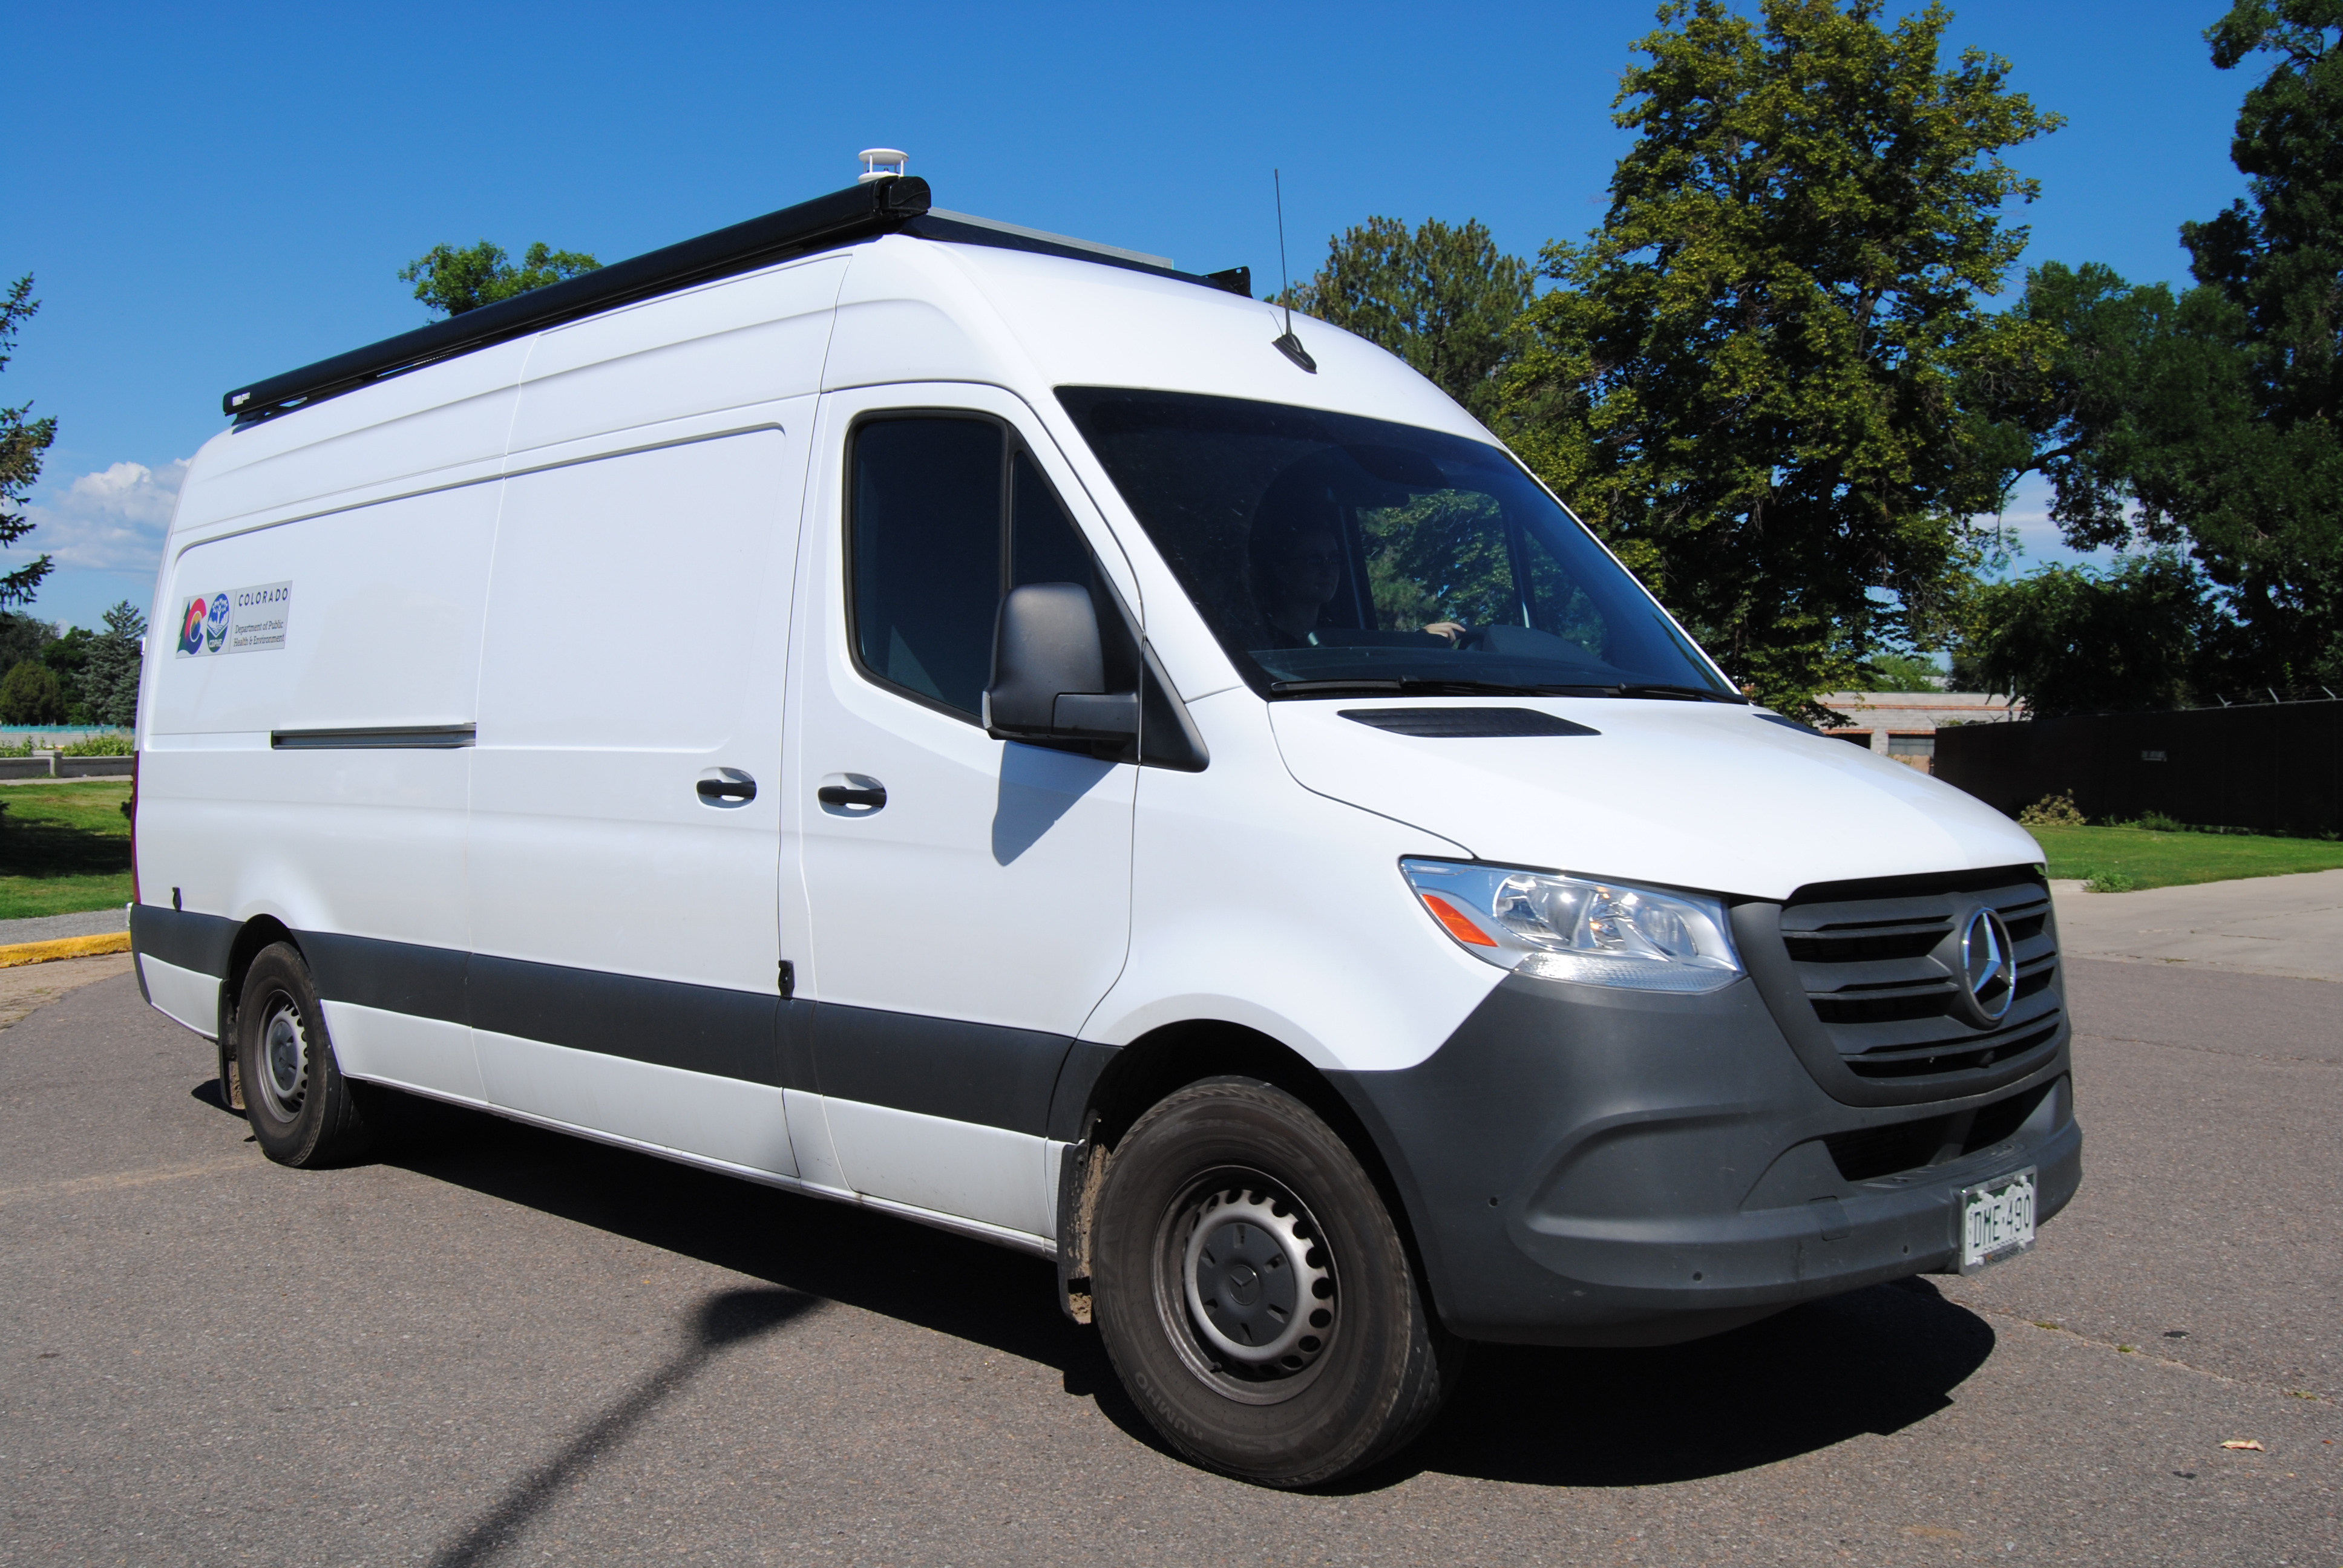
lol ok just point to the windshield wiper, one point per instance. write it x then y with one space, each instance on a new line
1692 693
1418 686
1426 685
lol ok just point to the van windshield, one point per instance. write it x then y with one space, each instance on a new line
1334 554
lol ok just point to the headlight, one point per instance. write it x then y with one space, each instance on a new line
1571 929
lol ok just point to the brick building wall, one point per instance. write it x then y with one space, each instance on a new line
1904 724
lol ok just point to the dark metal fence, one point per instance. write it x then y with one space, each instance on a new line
2275 768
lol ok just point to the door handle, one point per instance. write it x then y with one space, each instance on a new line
726 787
852 795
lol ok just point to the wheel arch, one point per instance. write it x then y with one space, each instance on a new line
256 935
1139 1075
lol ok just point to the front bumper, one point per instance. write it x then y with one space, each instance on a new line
1599 1168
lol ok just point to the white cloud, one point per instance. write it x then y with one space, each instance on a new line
111 520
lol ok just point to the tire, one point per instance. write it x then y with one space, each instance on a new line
303 1111
1254 1295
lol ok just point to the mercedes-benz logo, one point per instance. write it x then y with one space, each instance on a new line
1989 965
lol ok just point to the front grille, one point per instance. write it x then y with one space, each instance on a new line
1870 1153
1880 966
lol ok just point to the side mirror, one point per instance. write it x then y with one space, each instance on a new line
1049 670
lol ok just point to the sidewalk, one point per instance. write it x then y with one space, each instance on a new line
48 928
2259 925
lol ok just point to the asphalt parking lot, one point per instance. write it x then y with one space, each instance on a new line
501 1346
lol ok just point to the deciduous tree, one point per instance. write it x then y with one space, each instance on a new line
453 281
1901 672
30 694
2212 418
2073 639
24 636
1753 377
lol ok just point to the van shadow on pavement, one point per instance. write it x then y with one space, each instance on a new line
1877 1360
1873 1360
728 1319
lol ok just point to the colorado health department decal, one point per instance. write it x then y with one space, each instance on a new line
235 620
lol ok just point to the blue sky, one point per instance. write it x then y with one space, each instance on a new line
209 195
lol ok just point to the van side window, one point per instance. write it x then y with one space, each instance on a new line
948 514
926 554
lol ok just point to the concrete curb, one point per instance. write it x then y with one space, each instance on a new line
63 947
49 765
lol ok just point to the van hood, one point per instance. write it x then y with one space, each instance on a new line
1699 795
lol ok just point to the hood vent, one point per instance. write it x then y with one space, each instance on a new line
1464 723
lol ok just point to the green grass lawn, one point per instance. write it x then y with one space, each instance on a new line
64 848
67 847
2160 860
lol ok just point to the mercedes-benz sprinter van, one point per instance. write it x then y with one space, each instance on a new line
999 730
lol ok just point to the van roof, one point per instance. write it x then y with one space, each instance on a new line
861 212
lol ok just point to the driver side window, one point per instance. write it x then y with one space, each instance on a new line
945 512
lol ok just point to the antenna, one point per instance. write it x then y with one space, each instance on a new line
1287 344
1285 277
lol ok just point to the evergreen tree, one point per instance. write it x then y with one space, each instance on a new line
109 676
1441 298
21 442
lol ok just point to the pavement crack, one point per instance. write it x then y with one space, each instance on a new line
2135 1353
2204 1050
115 1181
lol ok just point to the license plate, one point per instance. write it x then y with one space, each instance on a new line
1996 1220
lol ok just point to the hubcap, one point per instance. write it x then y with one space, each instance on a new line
1256 1283
284 1058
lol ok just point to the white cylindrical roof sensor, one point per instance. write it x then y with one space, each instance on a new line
881 163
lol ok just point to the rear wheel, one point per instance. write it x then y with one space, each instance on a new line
1253 1293
302 1109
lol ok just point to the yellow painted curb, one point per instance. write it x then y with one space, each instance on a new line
63 948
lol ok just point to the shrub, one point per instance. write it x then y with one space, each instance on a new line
2052 812
2157 822
104 743
2111 882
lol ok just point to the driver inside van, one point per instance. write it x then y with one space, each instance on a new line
1297 564
1295 578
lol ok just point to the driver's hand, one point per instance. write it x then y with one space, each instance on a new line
1449 629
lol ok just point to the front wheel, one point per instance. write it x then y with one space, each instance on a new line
1254 1295
302 1109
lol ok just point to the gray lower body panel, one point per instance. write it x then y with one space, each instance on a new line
1597 1168
983 1074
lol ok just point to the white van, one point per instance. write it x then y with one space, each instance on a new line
993 729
